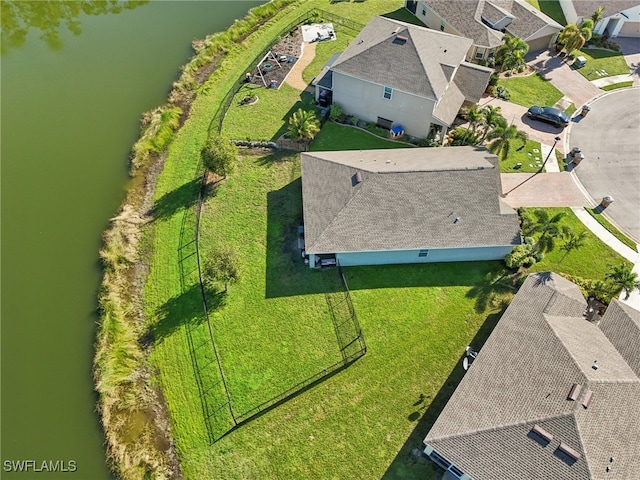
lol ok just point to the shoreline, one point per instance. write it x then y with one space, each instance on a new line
133 411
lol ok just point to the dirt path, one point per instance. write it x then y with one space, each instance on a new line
295 76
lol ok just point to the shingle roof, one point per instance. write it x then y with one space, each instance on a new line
449 105
586 8
621 325
465 16
403 56
522 377
472 80
411 202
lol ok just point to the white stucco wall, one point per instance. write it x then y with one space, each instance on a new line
365 100
434 255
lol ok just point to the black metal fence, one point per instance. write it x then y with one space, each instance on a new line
215 398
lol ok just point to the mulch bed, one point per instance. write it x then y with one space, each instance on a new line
288 46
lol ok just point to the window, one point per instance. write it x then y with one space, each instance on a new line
423 253
388 92
480 52
442 26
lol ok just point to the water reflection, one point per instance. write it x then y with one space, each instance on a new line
48 16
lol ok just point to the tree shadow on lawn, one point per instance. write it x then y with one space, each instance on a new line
410 462
184 309
185 196
286 273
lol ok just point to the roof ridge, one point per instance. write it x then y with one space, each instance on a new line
475 431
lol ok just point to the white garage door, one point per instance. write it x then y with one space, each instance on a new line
630 29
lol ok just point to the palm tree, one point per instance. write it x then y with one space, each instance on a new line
572 242
547 226
597 15
303 125
511 54
474 117
573 37
622 278
492 119
501 138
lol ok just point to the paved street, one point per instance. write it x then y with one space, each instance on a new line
610 141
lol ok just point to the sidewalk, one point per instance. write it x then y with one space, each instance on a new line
602 82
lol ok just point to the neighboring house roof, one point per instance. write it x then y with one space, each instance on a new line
325 77
472 80
621 325
522 378
407 199
402 56
586 8
465 16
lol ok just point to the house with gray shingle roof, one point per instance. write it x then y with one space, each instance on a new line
486 22
620 18
549 396
409 205
395 73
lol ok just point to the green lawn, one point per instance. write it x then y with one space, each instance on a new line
267 119
531 90
617 85
526 155
550 8
343 137
599 60
612 229
570 110
591 261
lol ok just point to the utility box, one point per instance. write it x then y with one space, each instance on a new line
585 110
579 62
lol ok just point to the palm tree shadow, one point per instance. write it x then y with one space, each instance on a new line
494 290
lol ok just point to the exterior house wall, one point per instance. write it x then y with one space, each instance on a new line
432 20
365 100
569 11
434 255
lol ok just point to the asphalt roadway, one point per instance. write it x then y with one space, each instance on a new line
609 138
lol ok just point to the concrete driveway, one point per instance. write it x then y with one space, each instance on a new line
609 139
573 85
631 51
516 114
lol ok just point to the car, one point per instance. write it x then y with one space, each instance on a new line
550 115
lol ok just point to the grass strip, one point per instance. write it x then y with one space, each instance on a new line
602 220
615 86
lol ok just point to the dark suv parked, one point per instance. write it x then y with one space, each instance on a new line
549 115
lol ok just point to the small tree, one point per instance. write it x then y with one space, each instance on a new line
510 56
547 226
492 119
597 15
303 125
622 278
220 266
573 37
219 155
501 138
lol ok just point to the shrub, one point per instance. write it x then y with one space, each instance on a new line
219 155
493 79
336 113
502 92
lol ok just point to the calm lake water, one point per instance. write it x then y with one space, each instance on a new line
69 117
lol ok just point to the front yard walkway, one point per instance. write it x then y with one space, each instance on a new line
295 76
541 190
